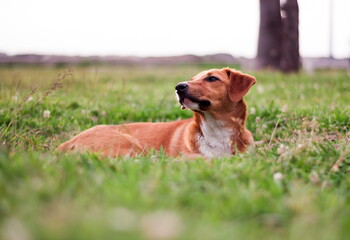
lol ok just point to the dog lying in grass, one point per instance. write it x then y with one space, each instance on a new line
217 128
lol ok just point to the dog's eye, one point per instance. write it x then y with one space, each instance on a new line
212 79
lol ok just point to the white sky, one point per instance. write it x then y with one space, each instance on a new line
159 27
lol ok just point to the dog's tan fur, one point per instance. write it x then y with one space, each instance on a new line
214 131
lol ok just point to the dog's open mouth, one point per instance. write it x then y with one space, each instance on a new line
193 103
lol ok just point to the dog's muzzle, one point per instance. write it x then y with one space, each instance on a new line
182 92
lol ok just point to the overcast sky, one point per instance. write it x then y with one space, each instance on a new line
159 27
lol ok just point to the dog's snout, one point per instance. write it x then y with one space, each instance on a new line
181 87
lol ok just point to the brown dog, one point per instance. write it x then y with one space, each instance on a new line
217 128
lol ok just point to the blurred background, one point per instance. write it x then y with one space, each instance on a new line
249 33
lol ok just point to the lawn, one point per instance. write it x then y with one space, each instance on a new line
295 185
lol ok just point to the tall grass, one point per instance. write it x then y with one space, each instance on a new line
18 135
296 184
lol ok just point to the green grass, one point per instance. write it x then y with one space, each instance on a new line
45 195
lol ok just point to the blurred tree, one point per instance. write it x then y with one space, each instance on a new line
278 46
270 34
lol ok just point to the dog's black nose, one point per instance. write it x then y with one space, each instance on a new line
181 87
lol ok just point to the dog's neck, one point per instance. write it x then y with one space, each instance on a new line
218 134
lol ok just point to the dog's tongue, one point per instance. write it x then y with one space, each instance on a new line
186 101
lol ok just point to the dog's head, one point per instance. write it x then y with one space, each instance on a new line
214 90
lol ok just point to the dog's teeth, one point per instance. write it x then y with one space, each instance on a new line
183 107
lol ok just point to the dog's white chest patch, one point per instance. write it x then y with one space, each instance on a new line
215 140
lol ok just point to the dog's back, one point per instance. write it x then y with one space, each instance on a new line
130 139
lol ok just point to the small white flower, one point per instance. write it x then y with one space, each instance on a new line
285 108
252 111
314 178
277 177
161 225
30 99
122 219
257 120
154 158
260 89
282 149
15 98
46 113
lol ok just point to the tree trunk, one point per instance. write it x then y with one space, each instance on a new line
270 35
290 61
278 46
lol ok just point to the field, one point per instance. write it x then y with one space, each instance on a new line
295 185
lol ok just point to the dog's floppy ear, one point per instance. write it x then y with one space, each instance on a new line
239 84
